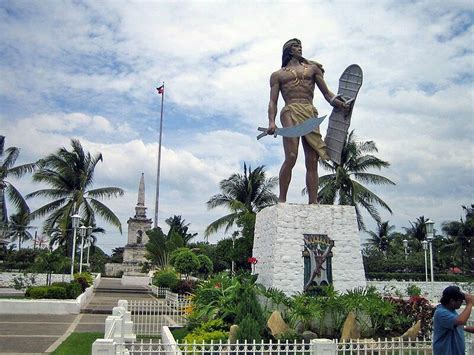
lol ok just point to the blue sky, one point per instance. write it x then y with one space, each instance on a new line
89 69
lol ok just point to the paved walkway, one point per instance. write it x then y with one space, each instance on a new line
39 334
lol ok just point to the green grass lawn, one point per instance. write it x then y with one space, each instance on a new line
78 344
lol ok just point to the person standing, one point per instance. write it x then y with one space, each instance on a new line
448 325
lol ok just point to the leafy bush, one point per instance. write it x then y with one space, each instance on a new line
186 262
406 313
85 280
56 292
205 264
36 292
175 253
206 337
73 288
413 290
214 330
167 278
184 287
249 329
87 276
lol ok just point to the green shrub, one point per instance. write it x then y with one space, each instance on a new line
206 337
56 292
85 280
73 288
413 290
36 292
165 279
205 264
249 329
175 253
186 262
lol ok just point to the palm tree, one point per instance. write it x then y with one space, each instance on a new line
179 225
244 195
18 228
8 159
460 237
70 174
344 184
382 237
161 245
417 228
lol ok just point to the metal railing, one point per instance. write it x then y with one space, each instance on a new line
149 317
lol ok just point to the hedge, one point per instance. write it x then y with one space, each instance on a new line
58 290
400 276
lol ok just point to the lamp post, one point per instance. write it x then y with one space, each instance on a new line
429 237
405 245
425 248
89 233
83 230
75 223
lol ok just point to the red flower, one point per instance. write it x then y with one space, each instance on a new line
218 285
252 260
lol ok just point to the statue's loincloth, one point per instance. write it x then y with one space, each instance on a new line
300 113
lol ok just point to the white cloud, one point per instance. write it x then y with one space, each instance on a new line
89 70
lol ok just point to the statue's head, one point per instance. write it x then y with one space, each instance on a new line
288 50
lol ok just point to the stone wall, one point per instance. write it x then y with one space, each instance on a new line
115 269
279 244
6 278
392 287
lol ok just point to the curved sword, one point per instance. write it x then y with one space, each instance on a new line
295 131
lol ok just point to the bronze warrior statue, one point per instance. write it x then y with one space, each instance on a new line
296 81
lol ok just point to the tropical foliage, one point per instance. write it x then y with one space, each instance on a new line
243 195
8 170
380 239
460 239
70 175
344 185
19 227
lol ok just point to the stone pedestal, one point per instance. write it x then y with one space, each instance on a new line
279 245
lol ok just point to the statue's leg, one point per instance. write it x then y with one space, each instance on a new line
290 146
312 179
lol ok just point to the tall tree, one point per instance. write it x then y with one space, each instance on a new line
70 174
243 194
8 170
417 228
382 236
161 245
179 225
344 185
19 227
461 238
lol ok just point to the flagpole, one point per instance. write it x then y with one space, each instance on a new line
159 158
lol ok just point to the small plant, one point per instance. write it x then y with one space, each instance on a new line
84 279
413 290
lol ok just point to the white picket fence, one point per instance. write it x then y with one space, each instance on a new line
159 292
150 316
315 347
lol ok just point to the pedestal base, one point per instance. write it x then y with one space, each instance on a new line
289 235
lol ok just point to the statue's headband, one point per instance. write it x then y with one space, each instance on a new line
291 42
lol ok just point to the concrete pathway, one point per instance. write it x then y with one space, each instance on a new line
40 334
